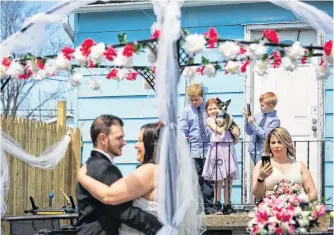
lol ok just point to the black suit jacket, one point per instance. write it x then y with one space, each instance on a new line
100 219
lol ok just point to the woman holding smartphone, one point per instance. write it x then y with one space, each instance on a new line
283 165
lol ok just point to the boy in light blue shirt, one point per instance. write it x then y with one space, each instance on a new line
259 126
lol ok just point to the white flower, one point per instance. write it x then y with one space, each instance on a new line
3 70
329 59
195 43
289 64
233 67
40 75
75 79
189 72
94 84
303 197
256 51
261 67
301 230
229 50
210 70
121 74
50 67
32 66
96 53
15 69
296 52
151 57
322 71
62 63
122 60
79 57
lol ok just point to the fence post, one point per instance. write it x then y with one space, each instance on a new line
61 114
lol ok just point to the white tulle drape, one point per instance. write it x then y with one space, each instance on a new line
47 160
316 18
180 203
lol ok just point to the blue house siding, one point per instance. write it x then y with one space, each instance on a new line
329 136
131 102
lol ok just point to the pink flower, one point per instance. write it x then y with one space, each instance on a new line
67 52
212 37
155 34
271 35
242 51
291 229
328 47
112 74
200 70
262 216
128 50
255 229
131 76
6 62
110 53
244 66
314 215
91 64
86 46
320 210
279 231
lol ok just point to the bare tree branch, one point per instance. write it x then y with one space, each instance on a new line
18 93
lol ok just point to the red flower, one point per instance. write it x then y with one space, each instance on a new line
67 51
279 231
110 53
242 51
128 50
277 63
91 64
131 76
86 46
328 47
212 37
271 35
156 34
304 59
39 63
244 66
25 75
6 61
200 70
112 74
153 70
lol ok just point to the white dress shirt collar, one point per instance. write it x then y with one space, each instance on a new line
107 155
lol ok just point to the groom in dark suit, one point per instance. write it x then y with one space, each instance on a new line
95 217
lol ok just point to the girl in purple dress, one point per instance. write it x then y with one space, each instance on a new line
221 164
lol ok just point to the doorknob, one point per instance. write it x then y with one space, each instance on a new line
314 128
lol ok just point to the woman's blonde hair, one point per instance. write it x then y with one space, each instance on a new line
283 137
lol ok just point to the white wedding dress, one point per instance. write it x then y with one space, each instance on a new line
145 205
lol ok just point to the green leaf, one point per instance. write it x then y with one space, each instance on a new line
190 61
264 57
186 32
137 47
218 67
205 61
122 38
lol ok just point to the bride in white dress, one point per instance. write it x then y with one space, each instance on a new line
138 186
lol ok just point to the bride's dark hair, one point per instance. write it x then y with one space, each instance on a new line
150 140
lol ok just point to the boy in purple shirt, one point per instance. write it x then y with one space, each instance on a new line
259 126
193 124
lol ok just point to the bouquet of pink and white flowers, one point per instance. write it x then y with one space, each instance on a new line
287 187
285 213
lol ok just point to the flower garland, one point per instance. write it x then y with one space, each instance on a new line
237 56
286 211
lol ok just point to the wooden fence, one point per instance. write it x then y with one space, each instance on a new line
26 181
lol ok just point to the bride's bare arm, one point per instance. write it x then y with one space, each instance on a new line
137 184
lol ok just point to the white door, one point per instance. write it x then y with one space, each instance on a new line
298 100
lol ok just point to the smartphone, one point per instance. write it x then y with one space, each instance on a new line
249 110
265 160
